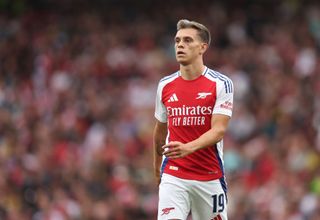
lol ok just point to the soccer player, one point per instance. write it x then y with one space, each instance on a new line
193 108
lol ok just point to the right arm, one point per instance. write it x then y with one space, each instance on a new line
159 139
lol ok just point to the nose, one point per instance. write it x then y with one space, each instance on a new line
180 44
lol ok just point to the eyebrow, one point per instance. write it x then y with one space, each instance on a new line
183 37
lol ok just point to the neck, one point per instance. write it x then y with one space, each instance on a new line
191 71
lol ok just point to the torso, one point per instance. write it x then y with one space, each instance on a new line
189 106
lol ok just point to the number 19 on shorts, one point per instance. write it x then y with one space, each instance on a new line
218 203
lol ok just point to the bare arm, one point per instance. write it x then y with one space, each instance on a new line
219 124
159 139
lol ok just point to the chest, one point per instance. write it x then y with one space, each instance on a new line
193 94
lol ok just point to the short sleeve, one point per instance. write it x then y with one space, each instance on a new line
224 100
160 109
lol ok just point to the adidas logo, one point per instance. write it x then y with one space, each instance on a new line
173 98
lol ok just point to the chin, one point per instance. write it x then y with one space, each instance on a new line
183 61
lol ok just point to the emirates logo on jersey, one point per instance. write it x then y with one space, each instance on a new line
189 115
189 110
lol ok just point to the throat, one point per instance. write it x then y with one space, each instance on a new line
191 73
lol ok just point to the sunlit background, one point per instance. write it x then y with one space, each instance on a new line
77 87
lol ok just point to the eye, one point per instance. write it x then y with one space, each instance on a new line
177 40
188 40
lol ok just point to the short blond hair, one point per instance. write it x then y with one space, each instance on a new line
203 31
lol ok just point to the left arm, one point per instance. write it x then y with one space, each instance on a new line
219 124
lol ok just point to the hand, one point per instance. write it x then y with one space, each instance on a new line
176 149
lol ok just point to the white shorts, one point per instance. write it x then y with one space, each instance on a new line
205 199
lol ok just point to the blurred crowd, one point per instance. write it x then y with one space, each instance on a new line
77 87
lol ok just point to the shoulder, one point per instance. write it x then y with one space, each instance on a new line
167 79
216 76
220 79
170 77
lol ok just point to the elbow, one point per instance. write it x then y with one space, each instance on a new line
219 133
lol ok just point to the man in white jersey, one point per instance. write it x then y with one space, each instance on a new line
193 108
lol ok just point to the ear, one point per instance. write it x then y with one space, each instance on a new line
203 48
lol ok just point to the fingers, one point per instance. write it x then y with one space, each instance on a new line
172 154
171 144
173 150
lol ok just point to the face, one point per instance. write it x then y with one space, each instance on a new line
188 46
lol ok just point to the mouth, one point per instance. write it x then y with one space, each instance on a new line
180 53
